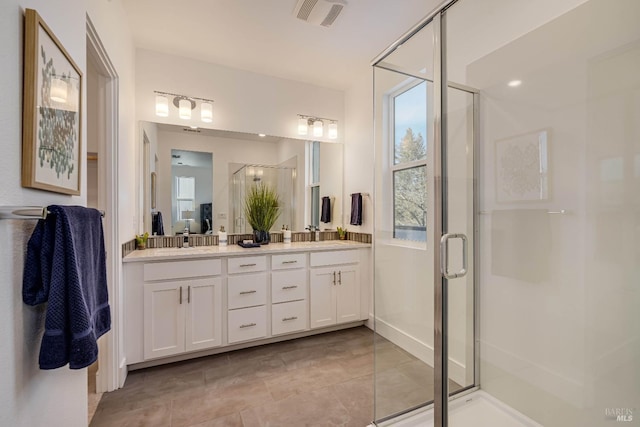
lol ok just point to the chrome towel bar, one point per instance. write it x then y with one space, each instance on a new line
26 212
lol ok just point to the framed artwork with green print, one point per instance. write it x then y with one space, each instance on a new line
52 112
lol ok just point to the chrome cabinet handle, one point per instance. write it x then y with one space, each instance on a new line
180 295
334 278
285 319
339 277
253 264
247 325
248 292
189 294
284 288
290 262
444 255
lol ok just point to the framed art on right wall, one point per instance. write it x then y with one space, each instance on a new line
522 167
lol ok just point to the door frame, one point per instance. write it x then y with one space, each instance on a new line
111 370
441 357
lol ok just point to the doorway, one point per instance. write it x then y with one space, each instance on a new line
102 190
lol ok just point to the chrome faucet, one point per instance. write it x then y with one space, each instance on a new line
315 233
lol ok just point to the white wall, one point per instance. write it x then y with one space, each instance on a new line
243 101
559 340
29 396
358 150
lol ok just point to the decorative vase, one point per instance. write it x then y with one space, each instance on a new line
261 237
342 237
141 246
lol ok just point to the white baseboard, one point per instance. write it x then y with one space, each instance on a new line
419 349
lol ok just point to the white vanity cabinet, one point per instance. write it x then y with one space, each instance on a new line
181 304
289 308
247 298
334 288
182 316
183 313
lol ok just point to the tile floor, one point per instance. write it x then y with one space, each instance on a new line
324 380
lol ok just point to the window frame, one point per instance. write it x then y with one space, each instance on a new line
392 167
184 199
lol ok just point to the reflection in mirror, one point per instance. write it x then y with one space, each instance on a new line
228 152
280 178
191 191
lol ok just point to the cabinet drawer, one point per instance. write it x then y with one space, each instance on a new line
334 258
247 290
247 324
182 269
288 285
288 317
247 264
287 261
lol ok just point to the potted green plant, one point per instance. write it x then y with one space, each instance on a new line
342 233
262 209
141 241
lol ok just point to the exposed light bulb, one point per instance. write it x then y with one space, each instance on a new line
162 106
514 83
262 135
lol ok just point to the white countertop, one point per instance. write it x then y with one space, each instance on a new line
161 254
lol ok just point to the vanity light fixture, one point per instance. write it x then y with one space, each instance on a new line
184 109
514 83
302 126
162 106
206 112
317 124
333 130
318 128
185 105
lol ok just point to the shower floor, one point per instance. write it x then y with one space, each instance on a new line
475 409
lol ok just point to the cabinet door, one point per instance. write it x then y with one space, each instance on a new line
347 294
203 314
322 297
164 305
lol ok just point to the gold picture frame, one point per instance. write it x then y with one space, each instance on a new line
52 112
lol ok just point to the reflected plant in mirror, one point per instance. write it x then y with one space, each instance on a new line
236 161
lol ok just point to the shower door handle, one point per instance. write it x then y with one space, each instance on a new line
444 255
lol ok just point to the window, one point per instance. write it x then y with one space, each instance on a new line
185 196
409 166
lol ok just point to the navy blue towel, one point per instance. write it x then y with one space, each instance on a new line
157 226
356 209
325 216
65 267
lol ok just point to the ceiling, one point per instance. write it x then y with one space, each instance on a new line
263 36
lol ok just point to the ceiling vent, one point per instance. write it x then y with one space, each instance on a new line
319 12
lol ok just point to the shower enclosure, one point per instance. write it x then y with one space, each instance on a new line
280 178
507 216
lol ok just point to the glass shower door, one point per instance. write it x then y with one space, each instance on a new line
409 185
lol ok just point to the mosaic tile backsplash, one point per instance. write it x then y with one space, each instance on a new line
212 240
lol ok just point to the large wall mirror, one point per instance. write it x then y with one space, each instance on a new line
200 177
